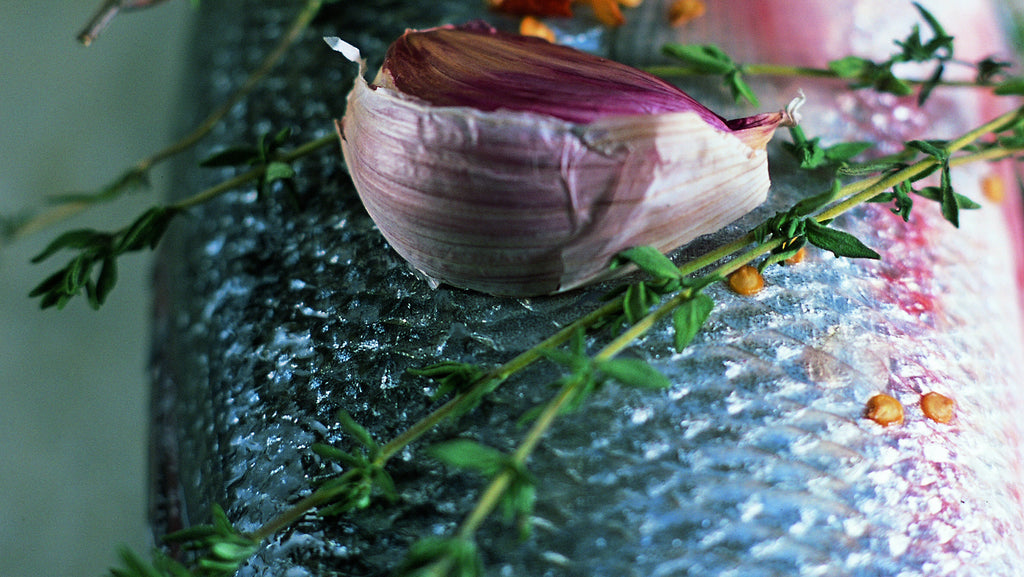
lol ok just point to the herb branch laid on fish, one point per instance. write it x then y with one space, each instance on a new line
714 414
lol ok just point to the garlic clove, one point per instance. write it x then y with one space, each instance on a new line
517 197
477 66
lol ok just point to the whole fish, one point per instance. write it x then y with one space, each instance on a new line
757 461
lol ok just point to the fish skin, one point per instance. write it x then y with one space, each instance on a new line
757 461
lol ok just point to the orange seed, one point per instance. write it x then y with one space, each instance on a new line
993 187
798 257
746 281
682 11
530 26
884 410
937 407
607 11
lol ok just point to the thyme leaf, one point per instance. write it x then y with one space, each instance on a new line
94 269
839 243
688 319
710 59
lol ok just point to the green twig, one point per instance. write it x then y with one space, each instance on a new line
140 169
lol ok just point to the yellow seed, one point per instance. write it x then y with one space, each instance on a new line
798 257
682 11
607 11
884 410
937 407
746 281
993 187
530 26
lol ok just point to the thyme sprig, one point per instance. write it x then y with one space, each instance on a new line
136 177
666 292
858 71
679 297
93 269
438 561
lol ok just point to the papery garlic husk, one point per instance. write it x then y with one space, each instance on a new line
488 190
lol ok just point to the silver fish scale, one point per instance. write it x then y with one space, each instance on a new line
757 461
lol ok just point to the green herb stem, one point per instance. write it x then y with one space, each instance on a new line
499 374
862 191
138 171
493 493
295 30
289 516
253 173
787 71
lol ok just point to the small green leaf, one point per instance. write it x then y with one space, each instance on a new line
231 156
904 204
78 273
218 567
634 373
282 135
739 88
813 203
564 358
49 284
844 151
809 152
948 204
634 305
278 171
467 454
689 317
850 67
989 69
235 552
385 484
1013 86
137 235
220 520
335 454
106 280
73 239
355 430
935 193
651 261
941 41
933 148
135 566
195 533
706 59
428 553
837 242
451 376
886 81
930 84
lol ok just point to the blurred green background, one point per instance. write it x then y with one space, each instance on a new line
73 384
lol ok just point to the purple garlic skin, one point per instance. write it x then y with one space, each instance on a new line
508 165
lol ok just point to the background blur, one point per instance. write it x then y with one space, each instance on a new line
73 383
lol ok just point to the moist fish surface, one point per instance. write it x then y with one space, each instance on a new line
270 317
